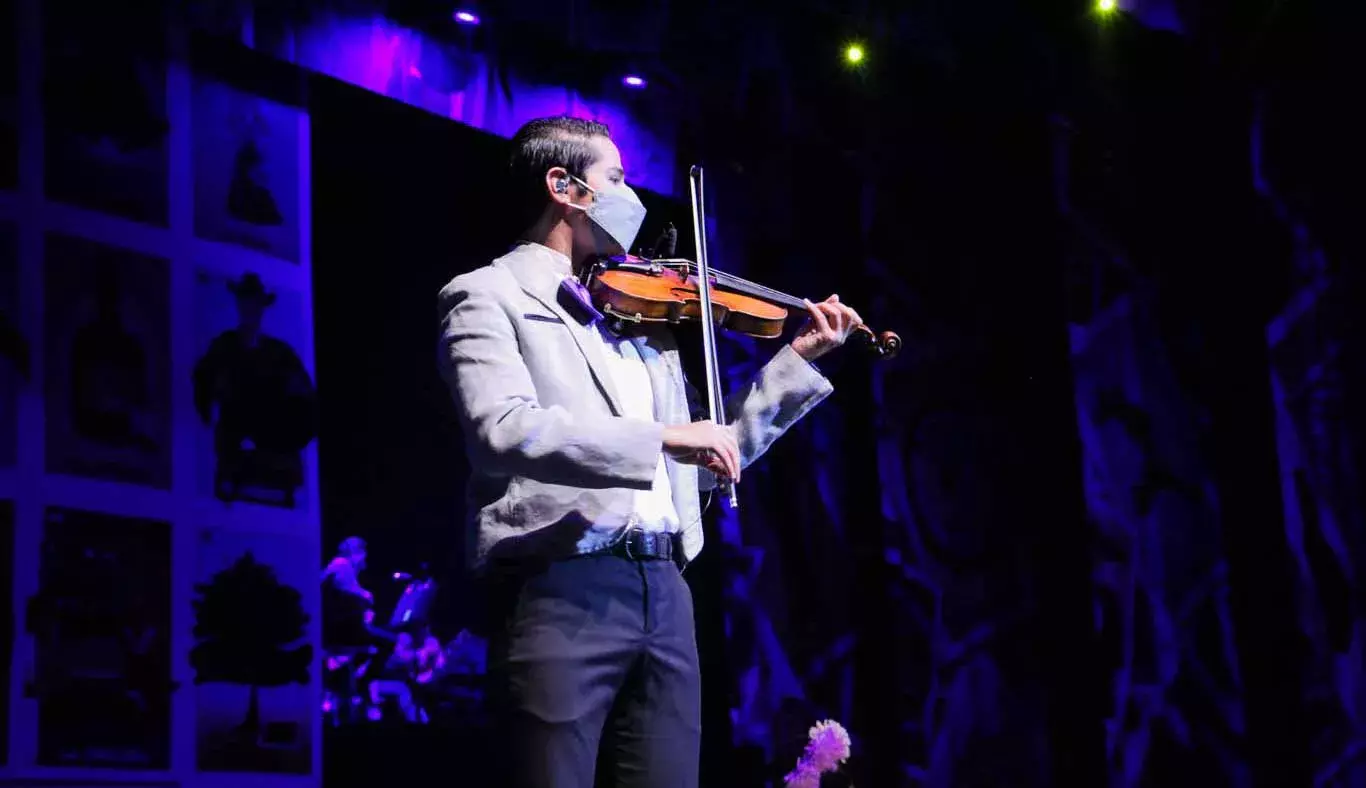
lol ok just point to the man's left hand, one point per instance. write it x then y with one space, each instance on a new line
829 325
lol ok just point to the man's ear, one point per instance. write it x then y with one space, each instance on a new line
557 182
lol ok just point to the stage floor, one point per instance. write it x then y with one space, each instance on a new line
367 756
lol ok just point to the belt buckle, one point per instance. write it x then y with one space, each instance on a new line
626 544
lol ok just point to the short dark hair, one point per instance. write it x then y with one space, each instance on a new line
543 143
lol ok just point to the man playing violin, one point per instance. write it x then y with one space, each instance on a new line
587 466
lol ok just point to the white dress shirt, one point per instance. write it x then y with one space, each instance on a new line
654 508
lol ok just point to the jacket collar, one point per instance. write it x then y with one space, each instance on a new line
539 271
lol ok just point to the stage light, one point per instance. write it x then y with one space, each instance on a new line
853 54
466 17
633 81
1106 6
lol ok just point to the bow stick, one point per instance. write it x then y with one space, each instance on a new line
715 396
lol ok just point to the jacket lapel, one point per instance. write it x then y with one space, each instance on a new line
539 279
661 378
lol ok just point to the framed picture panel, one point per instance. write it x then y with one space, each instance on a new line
156 385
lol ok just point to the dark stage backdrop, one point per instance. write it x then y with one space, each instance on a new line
403 203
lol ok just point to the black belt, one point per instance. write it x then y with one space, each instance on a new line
641 545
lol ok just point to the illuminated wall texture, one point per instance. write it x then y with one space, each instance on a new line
158 483
465 86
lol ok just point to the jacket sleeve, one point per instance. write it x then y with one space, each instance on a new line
780 394
509 433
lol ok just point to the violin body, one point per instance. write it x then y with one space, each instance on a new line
639 291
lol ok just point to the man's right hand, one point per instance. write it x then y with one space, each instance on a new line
705 444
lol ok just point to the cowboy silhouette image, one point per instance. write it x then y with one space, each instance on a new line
255 392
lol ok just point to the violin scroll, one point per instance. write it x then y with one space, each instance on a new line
884 345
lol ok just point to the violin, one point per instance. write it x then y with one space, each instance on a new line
634 289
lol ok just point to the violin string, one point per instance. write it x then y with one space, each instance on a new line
775 295
753 288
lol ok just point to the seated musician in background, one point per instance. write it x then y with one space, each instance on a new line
587 467
419 655
355 645
408 673
343 571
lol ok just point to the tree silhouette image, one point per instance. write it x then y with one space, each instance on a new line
245 620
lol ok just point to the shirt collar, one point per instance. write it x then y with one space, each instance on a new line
559 263
539 269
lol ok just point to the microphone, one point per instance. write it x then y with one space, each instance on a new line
667 244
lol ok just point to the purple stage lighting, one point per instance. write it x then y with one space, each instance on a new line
633 81
466 17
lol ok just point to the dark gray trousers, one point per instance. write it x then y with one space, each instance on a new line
593 676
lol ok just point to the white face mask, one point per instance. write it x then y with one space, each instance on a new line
617 211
